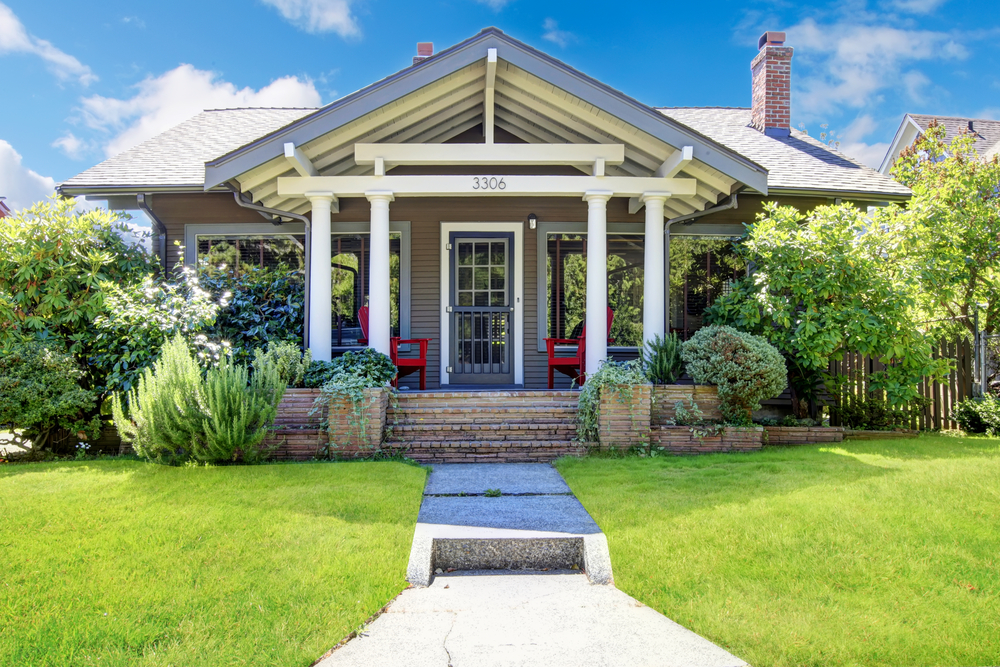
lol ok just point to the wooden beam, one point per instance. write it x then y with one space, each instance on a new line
302 164
489 154
675 162
479 186
491 78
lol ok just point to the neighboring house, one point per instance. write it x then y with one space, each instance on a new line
461 198
4 209
986 133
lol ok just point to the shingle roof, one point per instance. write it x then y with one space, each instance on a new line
176 158
797 162
987 131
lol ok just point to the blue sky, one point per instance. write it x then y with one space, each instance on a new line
84 80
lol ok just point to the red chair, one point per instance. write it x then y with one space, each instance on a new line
575 366
405 365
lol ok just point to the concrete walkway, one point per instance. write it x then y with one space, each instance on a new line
480 597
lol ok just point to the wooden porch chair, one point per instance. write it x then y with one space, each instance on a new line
404 365
575 366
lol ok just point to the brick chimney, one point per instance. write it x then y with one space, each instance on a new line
424 51
772 78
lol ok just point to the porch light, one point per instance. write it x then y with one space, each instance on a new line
532 220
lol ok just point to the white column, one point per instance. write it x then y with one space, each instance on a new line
379 317
320 278
597 278
653 301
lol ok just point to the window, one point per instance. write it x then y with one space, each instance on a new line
259 246
702 267
566 286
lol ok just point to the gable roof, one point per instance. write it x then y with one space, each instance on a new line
175 159
987 134
794 163
588 94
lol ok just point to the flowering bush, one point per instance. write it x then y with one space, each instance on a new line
746 368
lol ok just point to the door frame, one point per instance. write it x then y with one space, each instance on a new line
517 228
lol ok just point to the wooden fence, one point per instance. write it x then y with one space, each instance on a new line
943 395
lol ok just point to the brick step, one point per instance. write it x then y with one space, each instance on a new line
451 427
449 409
478 451
511 439
494 420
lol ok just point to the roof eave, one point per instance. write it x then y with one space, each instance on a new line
78 190
868 195
559 74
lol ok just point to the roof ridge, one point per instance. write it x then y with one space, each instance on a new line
732 108
936 116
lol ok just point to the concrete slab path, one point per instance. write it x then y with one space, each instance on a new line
508 617
494 620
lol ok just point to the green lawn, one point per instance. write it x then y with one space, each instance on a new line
868 553
128 563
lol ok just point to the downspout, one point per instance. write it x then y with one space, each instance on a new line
685 220
276 213
160 228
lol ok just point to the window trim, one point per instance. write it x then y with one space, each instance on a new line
193 231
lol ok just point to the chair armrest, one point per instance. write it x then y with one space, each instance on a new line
422 342
550 343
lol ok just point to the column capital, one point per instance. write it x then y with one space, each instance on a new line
653 196
597 195
322 196
380 195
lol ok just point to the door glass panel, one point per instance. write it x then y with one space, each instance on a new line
482 298
465 298
482 350
465 278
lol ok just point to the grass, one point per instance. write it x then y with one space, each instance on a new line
128 563
868 553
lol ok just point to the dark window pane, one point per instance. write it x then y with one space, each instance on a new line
498 298
465 277
464 253
482 254
465 298
498 254
482 278
482 298
497 280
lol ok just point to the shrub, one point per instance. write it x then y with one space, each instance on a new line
176 413
662 359
365 366
287 358
264 305
40 393
746 368
979 415
869 413
622 374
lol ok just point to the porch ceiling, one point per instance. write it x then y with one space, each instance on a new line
528 107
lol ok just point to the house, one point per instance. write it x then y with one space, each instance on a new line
985 132
487 197
4 209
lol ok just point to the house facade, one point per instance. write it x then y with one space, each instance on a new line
487 197
985 134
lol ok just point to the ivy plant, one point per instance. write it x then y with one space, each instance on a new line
622 375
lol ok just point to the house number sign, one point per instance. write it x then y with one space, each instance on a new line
488 183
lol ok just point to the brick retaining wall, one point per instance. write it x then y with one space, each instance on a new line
624 416
666 396
687 439
802 435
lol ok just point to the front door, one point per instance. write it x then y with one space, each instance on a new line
481 308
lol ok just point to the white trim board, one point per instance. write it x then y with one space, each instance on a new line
445 276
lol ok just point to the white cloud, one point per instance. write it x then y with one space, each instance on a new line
868 154
134 20
495 5
917 6
71 145
914 82
21 186
15 39
166 100
854 65
555 35
317 16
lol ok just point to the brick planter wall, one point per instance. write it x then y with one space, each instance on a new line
623 421
665 396
681 440
802 435
297 435
352 433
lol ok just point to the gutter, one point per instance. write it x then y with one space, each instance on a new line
272 214
161 230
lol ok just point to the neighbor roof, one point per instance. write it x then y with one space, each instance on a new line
987 132
175 159
797 162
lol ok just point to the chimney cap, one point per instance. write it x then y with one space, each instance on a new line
771 38
425 48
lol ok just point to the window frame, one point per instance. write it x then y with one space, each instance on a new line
193 231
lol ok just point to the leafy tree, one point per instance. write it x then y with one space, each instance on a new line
56 268
827 283
952 228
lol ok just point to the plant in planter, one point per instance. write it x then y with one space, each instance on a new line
623 378
355 385
287 358
746 368
662 359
